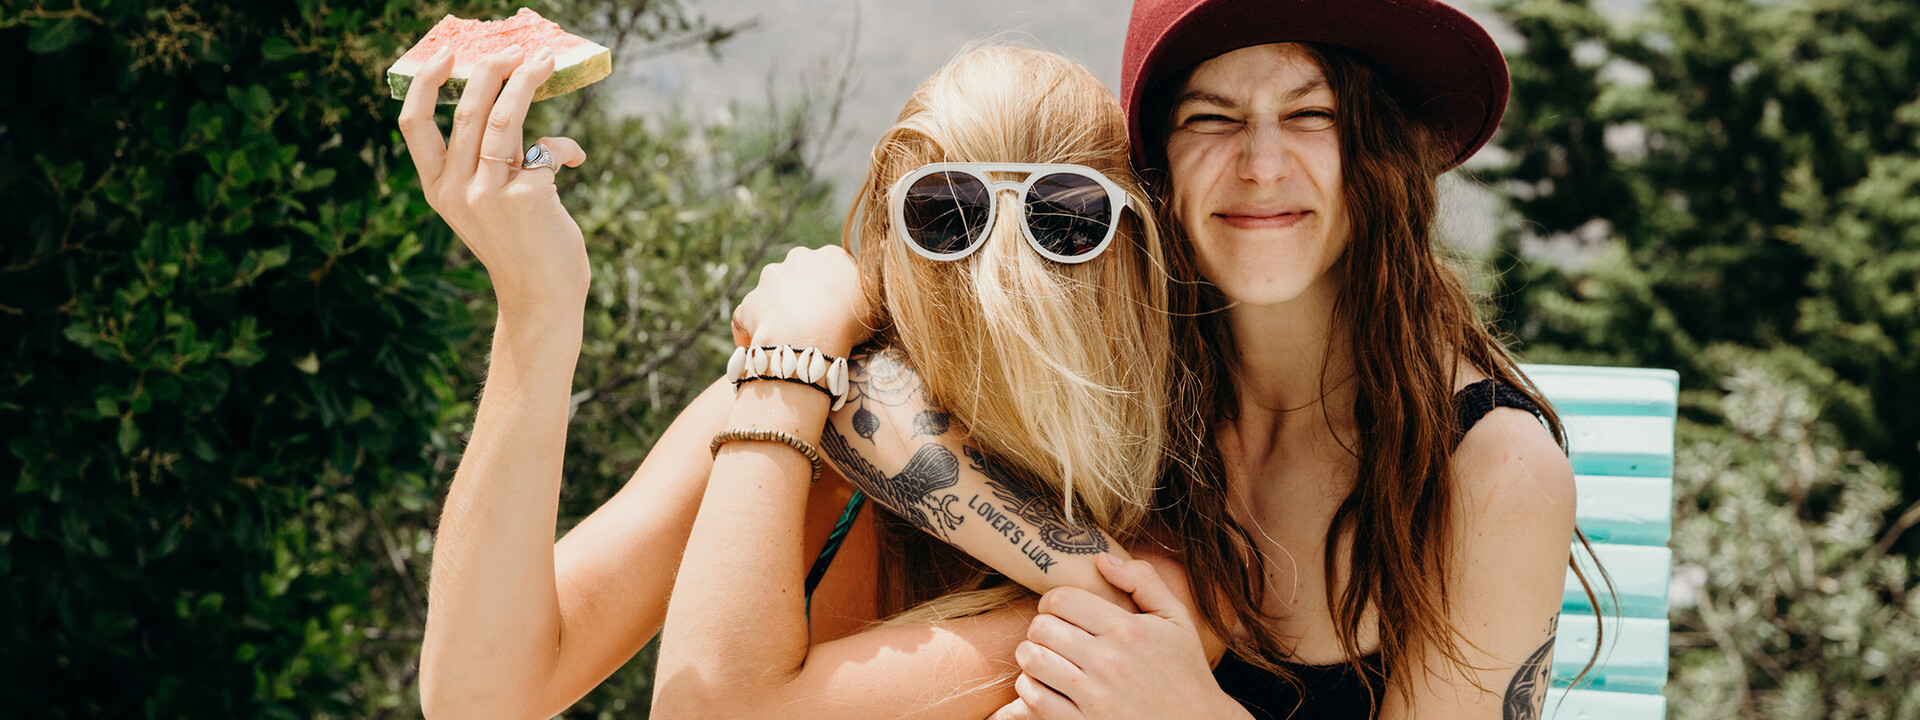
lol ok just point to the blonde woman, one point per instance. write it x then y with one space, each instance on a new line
1024 291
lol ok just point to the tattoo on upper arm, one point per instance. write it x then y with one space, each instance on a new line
1530 681
915 493
1015 490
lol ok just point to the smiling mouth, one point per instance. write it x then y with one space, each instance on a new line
1263 221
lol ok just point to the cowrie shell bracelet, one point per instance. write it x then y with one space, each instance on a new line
807 367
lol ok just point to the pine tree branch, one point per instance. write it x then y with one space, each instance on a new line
1907 520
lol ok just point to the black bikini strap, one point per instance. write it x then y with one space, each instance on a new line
1475 401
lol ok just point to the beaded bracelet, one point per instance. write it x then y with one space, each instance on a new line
784 362
765 435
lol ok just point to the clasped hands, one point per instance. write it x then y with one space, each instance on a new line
1085 657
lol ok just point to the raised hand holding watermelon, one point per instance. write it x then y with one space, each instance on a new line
511 218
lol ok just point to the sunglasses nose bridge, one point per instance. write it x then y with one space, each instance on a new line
998 186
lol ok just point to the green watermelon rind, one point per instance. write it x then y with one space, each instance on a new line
594 68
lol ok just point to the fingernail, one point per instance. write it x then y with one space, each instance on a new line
442 55
1111 560
542 54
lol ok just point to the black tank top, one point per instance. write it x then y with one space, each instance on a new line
1339 691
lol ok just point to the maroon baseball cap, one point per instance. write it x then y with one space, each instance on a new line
1439 63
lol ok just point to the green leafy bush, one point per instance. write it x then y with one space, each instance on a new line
1744 179
1752 171
1801 612
229 325
240 350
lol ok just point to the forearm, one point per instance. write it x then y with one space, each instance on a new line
994 520
493 624
914 459
737 629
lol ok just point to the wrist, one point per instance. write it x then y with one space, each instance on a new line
801 338
540 328
808 368
779 406
541 309
537 298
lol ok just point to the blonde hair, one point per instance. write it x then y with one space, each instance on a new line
1058 370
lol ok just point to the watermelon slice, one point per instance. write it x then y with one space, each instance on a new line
577 61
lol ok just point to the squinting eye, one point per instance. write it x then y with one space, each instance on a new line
1209 124
1313 119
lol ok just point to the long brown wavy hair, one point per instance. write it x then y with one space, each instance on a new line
1421 324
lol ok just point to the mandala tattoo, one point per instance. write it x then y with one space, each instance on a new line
884 377
915 493
1013 488
1530 681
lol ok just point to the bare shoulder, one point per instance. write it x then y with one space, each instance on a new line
1509 465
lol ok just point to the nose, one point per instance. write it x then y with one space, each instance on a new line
1264 157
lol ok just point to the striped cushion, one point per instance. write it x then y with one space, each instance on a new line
1619 424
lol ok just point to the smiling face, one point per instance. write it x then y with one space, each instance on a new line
1255 166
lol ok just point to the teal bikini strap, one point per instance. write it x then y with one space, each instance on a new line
834 539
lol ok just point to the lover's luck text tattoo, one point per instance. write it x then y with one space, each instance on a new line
1014 490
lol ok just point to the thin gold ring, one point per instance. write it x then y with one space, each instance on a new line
510 161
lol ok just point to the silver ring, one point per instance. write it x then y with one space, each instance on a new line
538 156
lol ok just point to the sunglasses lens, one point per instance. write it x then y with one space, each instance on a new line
946 212
1068 214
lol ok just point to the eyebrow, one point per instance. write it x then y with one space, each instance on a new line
1202 96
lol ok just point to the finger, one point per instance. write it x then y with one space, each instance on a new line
745 315
1149 591
741 338
1050 668
565 150
1045 702
1064 639
1084 610
509 115
540 175
463 148
1016 710
424 144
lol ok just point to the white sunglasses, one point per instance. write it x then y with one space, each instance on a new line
1069 213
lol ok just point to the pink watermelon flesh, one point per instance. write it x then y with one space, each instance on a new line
578 62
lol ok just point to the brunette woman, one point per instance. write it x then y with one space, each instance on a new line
1401 504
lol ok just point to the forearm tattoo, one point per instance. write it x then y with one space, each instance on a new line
1016 491
1530 681
883 378
916 493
